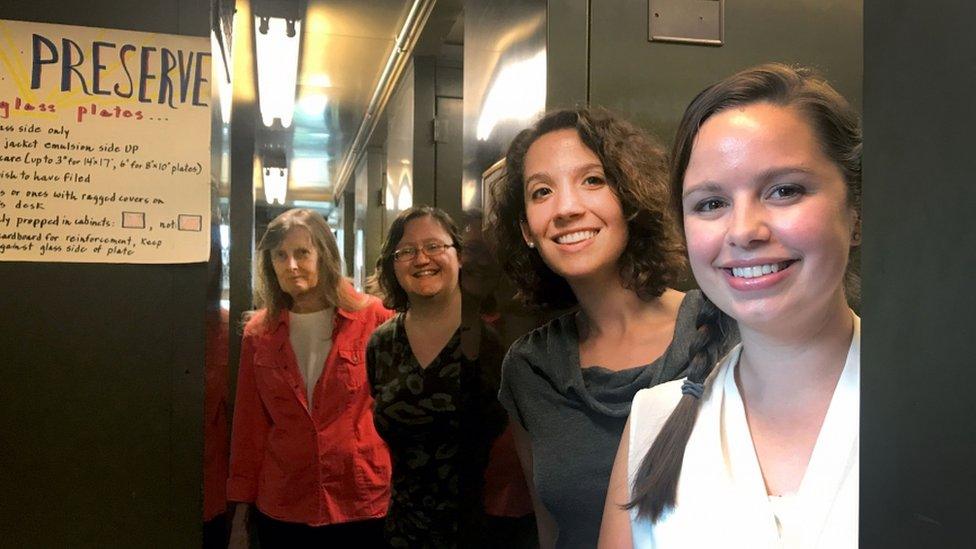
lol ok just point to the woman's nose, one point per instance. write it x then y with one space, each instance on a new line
748 226
568 202
421 258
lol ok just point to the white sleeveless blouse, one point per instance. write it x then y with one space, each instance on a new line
722 500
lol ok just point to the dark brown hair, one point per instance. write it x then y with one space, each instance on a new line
636 171
333 286
838 129
385 277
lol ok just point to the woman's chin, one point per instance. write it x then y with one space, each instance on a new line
428 295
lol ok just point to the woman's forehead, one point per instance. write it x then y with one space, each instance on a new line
422 229
296 236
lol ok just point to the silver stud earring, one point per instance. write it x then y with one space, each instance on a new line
530 244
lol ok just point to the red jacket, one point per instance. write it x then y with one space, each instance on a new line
321 466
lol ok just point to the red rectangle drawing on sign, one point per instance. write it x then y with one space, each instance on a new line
134 220
190 222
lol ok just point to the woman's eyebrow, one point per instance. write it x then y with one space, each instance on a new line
706 186
543 176
779 171
588 167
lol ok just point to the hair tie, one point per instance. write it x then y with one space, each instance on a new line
689 387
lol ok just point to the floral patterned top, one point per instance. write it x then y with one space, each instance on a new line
416 413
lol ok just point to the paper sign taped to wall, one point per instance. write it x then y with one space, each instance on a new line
104 145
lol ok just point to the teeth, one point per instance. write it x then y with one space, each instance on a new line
425 273
754 271
573 238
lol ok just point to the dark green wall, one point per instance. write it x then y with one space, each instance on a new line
918 411
101 403
652 82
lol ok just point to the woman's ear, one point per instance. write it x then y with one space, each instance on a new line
526 234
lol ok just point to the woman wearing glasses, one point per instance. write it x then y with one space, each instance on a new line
416 365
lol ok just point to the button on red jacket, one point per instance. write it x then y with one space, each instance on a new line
321 466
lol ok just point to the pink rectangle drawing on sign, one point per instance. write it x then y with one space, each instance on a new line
134 220
188 222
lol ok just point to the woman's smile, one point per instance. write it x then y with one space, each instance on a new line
759 275
576 237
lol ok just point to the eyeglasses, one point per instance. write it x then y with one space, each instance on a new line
430 249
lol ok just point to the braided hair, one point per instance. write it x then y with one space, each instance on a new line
656 483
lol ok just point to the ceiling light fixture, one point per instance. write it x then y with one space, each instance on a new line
277 45
275 175
275 185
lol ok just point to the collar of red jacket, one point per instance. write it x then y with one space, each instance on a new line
284 319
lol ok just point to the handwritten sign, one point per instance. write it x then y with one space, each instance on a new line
104 145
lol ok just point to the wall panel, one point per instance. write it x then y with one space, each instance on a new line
918 437
101 404
652 82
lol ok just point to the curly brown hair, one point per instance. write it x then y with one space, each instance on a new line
384 279
636 169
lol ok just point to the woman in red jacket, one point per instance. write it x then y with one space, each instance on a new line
306 462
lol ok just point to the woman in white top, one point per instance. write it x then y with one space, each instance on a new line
762 450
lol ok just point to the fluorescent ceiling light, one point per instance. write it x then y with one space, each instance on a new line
275 185
277 68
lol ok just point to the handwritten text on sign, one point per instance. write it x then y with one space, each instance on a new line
104 145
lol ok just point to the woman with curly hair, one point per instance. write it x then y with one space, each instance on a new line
582 220
307 465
